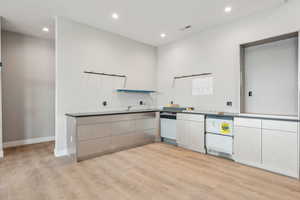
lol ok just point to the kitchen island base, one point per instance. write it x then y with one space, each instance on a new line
93 136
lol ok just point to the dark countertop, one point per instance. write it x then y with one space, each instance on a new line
114 112
199 112
242 115
268 116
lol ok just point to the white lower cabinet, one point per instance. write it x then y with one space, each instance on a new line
190 132
268 144
182 129
247 145
196 136
280 152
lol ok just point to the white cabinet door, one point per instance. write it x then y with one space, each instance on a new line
196 136
279 152
190 135
247 145
182 132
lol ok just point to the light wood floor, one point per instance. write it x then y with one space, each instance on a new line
155 171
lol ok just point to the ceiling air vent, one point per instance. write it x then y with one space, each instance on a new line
188 27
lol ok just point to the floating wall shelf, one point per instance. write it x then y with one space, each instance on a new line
105 74
136 91
193 75
188 76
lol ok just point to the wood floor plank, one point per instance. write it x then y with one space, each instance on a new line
156 171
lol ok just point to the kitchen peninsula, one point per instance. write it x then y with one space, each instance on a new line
98 133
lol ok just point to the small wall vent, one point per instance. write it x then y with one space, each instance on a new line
187 27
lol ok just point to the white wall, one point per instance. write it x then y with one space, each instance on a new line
28 87
80 47
217 51
271 73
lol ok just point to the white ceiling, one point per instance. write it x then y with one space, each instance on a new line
141 20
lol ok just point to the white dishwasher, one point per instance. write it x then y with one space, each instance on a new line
168 126
219 135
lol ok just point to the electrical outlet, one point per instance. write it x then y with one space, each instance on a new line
229 103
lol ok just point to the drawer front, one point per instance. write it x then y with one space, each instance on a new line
144 124
280 125
150 135
145 115
96 119
92 131
190 117
219 143
122 127
114 118
247 122
93 147
126 141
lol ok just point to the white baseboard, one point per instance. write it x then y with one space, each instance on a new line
27 141
60 153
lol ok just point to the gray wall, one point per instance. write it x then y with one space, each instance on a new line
1 140
28 87
217 50
271 73
80 47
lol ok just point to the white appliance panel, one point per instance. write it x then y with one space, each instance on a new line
168 128
219 143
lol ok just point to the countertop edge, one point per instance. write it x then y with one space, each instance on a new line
108 113
241 115
279 118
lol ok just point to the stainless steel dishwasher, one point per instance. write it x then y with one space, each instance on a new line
168 126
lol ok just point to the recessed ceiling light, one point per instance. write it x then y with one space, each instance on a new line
228 9
163 35
115 16
45 29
